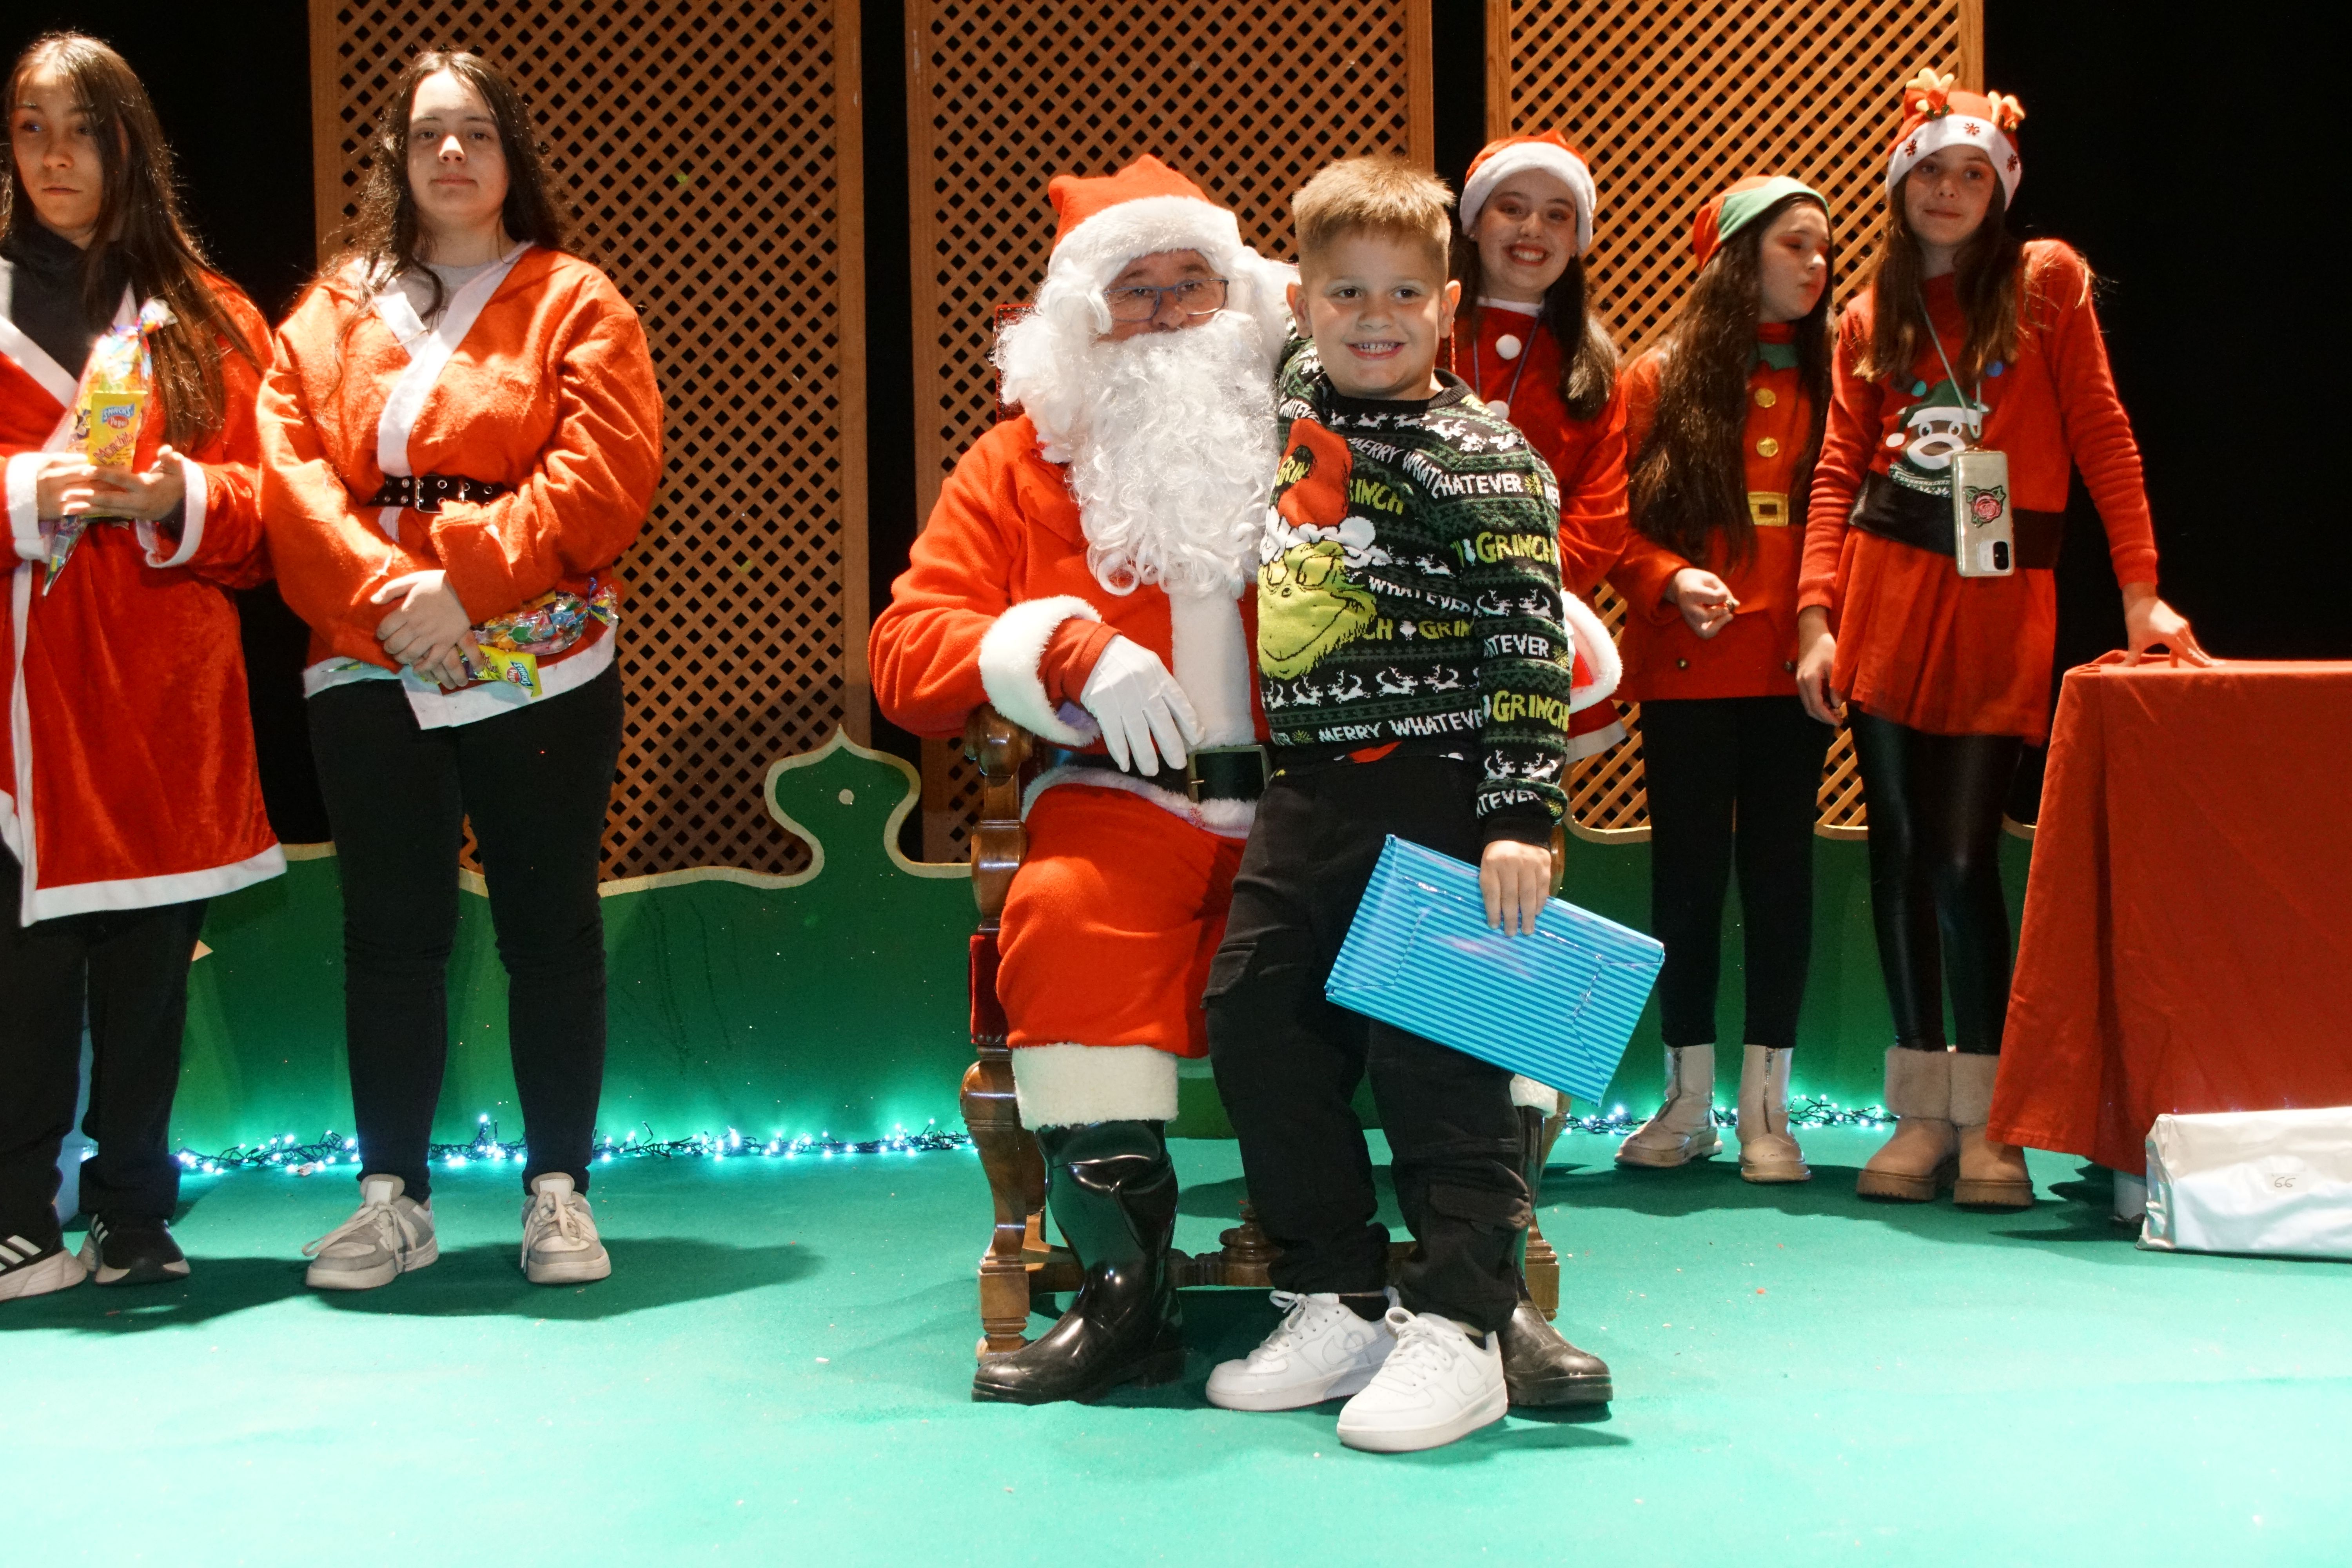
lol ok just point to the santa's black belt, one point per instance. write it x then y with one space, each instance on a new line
1906 516
1211 773
425 492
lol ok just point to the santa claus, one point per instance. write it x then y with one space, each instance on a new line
1084 572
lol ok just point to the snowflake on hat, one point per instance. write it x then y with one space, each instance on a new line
1937 115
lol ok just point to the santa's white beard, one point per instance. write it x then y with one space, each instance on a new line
1170 442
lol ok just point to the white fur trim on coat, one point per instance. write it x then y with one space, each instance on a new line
1072 1086
1225 818
25 506
1011 653
160 551
1562 165
1525 1092
1593 644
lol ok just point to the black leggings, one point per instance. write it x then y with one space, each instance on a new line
535 782
1934 866
1712 764
130 968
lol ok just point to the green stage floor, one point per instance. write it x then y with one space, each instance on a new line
779 1367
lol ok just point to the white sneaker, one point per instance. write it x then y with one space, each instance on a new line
391 1235
29 1269
1321 1350
560 1244
1438 1384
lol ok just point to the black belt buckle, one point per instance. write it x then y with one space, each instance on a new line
1226 772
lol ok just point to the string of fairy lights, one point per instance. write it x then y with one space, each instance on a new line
330 1149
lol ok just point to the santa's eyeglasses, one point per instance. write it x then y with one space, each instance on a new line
1141 301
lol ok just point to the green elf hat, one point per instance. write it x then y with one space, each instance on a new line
1745 201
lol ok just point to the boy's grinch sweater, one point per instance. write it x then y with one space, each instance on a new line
1409 591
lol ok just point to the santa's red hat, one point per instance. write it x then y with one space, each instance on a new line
1936 115
1103 223
1547 152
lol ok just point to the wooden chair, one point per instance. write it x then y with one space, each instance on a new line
1020 1264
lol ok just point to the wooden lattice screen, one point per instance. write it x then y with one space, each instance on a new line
709 152
1247 99
1674 101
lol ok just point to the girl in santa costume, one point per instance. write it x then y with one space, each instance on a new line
460 435
1725 417
128 789
1533 350
1963 338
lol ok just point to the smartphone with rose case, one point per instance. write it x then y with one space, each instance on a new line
1984 534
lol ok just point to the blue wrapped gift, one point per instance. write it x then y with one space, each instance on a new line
1556 1005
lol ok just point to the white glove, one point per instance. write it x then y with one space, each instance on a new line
1138 702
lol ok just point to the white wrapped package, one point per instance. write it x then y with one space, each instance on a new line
2274 1183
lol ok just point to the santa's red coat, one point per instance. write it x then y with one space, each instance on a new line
127 770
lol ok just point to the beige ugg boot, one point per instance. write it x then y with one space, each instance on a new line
1683 1129
1921 1159
1991 1175
1766 1152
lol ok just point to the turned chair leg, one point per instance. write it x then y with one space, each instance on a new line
1016 1187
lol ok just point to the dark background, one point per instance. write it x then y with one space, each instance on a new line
2186 163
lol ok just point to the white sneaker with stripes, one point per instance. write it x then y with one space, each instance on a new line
559 1244
29 1269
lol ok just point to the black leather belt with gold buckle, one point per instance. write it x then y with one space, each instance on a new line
1211 773
425 492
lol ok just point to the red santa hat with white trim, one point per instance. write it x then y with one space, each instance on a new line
1937 115
1102 223
1546 151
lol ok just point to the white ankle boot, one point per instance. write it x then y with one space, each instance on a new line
1684 1127
1766 1152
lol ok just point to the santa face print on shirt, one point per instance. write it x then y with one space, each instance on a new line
1940 426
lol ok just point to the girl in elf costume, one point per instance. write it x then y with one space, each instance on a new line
1962 338
1725 418
129 794
460 435
1532 350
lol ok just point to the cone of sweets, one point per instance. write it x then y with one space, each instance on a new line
108 409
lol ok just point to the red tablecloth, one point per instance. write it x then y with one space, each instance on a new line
2187 938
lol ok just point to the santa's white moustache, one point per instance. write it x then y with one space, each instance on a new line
1170 439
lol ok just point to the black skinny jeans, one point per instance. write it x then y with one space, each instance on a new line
535 782
1288 1062
132 967
1732 779
1935 868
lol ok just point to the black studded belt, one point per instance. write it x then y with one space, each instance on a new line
425 492
1211 773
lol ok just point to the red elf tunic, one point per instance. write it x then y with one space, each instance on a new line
1512 361
537 377
1756 654
127 770
1917 643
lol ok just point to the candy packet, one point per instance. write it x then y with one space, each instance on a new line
108 408
513 644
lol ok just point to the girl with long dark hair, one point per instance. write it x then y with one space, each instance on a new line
1963 339
460 435
1529 345
129 794
1725 418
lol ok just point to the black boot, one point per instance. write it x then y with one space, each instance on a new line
1112 1190
1541 1367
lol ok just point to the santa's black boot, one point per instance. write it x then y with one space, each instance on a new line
1112 1191
1541 1367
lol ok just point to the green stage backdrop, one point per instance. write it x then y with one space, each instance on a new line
829 1002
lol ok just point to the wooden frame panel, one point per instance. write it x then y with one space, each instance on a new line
710 154
1671 102
1247 99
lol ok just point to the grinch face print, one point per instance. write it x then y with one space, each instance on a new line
1318 537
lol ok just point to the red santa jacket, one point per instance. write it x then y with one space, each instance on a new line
1917 642
536 376
1756 654
126 772
984 613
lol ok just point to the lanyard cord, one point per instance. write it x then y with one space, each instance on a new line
1975 398
1478 369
